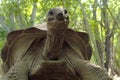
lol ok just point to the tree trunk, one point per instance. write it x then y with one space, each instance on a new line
92 38
108 48
20 20
33 14
97 35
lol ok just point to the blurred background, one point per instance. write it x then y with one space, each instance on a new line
99 18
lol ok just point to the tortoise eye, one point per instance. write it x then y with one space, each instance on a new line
65 11
50 12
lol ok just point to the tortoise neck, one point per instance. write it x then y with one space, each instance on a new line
54 43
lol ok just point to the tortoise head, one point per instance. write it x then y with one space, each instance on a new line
57 18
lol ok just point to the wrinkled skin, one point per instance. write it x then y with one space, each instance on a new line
56 54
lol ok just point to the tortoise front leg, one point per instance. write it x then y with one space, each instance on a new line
86 69
17 72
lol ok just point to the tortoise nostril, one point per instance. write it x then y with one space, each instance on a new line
60 14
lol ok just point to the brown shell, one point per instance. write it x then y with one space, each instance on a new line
19 41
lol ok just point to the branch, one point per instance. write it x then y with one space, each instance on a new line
113 29
87 25
33 14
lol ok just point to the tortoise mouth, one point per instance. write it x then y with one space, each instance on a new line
54 21
61 19
58 25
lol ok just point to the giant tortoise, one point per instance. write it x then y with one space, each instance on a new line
53 53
